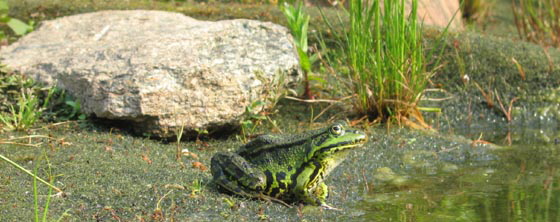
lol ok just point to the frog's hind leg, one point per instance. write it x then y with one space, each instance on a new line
233 173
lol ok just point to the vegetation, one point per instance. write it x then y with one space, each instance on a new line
260 110
476 10
17 26
24 102
383 61
27 111
538 21
21 107
298 22
470 187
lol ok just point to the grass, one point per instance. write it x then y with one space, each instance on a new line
35 177
298 23
26 112
36 197
383 61
23 102
260 110
24 109
538 21
35 186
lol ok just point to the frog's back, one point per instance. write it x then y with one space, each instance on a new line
268 142
279 150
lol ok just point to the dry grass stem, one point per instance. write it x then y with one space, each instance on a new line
319 100
519 68
507 112
488 96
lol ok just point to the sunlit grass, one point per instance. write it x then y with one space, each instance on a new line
383 61
298 23
36 198
538 21
35 177
26 112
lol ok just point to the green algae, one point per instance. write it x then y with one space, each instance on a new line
473 104
107 174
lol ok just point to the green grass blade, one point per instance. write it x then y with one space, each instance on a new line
29 173
47 204
35 196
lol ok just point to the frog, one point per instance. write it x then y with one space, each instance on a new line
286 168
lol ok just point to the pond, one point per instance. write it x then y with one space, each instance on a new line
521 183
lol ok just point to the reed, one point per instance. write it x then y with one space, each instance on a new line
538 21
385 56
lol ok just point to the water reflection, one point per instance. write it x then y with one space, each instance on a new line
522 185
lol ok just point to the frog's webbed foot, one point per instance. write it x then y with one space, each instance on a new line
317 196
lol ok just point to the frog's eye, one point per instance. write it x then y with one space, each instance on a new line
336 129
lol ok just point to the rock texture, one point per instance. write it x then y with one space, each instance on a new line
157 70
440 12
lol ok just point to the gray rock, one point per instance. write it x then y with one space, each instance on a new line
157 70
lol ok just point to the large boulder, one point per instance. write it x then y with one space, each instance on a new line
158 70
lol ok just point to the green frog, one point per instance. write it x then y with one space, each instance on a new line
289 167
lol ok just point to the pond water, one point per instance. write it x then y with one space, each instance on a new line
521 184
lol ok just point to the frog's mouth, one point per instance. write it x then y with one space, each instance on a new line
344 145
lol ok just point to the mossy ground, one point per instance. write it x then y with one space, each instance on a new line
494 78
110 174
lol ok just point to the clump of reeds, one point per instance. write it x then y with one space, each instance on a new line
538 21
385 56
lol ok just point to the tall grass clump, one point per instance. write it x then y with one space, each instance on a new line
538 21
385 56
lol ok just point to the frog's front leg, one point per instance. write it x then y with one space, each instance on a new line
233 173
318 196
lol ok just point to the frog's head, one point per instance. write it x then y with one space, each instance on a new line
333 144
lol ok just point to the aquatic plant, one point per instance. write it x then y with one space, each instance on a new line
538 21
36 178
36 194
383 61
